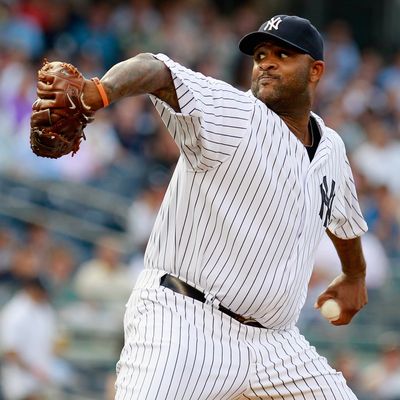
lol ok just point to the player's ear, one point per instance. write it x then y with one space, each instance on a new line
316 71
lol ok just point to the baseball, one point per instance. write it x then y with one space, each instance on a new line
330 310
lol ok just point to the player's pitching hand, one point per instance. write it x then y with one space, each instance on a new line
350 294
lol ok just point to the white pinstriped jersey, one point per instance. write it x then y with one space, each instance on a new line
246 209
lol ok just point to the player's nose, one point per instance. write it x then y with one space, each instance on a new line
267 63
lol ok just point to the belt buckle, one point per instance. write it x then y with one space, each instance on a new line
212 300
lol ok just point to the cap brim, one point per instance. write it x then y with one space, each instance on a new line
249 42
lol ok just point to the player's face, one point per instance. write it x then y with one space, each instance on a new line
281 76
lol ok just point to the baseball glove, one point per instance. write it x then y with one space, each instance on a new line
59 114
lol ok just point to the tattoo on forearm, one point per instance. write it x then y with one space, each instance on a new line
169 96
139 75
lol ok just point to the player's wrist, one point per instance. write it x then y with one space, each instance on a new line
355 273
93 97
355 277
102 91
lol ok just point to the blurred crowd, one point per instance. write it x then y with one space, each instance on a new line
46 288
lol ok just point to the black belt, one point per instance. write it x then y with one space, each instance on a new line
178 286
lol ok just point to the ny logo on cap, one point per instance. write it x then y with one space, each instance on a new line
273 23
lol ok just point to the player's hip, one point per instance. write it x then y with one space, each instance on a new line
273 312
152 299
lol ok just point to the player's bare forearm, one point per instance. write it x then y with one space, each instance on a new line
350 255
348 289
138 75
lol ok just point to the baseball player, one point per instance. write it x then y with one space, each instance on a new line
260 180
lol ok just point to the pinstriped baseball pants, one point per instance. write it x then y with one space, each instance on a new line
177 348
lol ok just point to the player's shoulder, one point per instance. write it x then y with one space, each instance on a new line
198 79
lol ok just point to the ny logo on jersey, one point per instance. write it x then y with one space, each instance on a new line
326 201
273 23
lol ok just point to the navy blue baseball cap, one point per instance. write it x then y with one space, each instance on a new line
294 31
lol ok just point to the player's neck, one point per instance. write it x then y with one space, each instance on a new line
299 126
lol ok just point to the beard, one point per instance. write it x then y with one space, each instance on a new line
283 95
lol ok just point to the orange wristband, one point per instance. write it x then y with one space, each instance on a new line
102 92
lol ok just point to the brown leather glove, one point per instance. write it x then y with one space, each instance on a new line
59 114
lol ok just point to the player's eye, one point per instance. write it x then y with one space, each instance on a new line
259 56
283 54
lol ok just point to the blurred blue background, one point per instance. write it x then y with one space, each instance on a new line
76 228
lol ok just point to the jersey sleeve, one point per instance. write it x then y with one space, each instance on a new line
213 117
347 221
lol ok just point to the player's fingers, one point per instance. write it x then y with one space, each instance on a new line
45 94
45 78
41 118
42 104
34 104
42 85
45 91
322 298
344 319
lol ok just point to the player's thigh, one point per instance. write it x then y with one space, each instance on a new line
177 350
288 367
318 387
325 381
